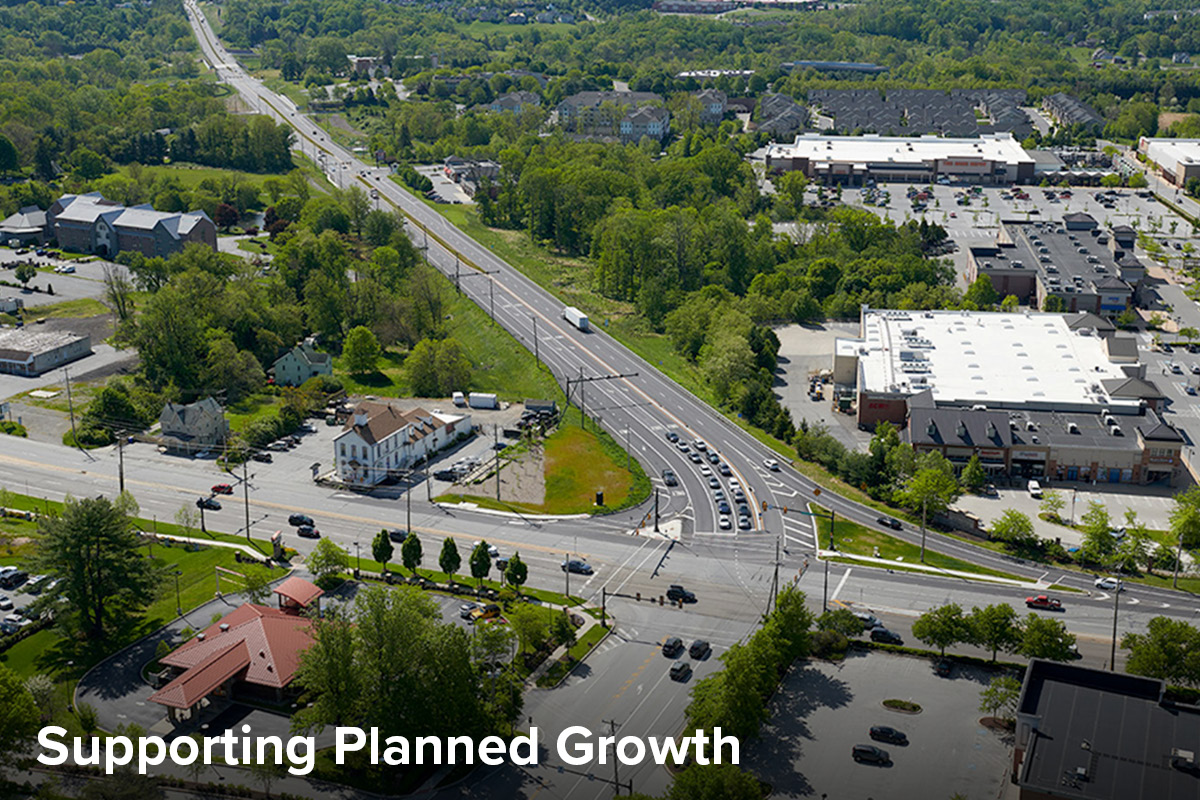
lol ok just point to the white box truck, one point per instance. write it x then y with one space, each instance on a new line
482 400
576 317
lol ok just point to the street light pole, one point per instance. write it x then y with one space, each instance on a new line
358 560
1112 659
246 499
178 602
536 356
408 504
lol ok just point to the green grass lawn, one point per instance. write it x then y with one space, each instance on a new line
850 537
250 409
578 651
81 395
68 309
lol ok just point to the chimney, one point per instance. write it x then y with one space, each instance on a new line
360 419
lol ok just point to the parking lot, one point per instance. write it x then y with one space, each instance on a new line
823 709
18 590
447 190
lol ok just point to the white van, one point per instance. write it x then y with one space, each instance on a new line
1035 489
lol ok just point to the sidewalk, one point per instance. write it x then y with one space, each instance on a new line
950 573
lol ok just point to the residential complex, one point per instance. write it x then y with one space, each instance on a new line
1177 159
1067 110
380 441
630 115
1029 393
1085 267
87 223
854 160
959 112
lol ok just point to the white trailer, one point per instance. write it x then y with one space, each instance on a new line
483 400
576 317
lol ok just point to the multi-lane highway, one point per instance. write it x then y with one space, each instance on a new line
731 571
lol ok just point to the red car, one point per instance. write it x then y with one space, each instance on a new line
1042 601
222 488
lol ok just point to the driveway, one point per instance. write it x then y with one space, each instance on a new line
823 709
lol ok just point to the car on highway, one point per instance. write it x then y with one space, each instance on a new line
771 464
1109 584
577 566
681 671
743 510
672 437
208 504
682 447
739 496
308 532
723 523
669 478
718 495
695 457
884 636
744 523
222 488
724 469
870 754
869 621
397 535
300 519
722 507
679 594
886 733
1044 602
492 550
713 458
672 647
890 522
699 649
699 445
713 483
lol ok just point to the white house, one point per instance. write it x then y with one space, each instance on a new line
301 363
193 427
379 439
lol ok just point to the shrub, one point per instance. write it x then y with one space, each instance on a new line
829 644
12 428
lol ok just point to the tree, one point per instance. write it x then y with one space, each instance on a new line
45 695
382 549
715 782
1185 524
19 717
449 559
267 773
411 552
1098 543
995 628
530 624
1053 503
1137 181
256 584
94 552
1010 303
118 291
1013 527
481 562
360 351
328 675
1133 551
942 627
327 560
981 294
999 697
226 216
1042 637
973 477
841 620
516 573
25 272
1169 649
8 155
932 489
562 630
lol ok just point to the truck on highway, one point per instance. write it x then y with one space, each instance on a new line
483 400
576 317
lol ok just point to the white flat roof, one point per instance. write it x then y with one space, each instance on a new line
1169 152
994 359
876 149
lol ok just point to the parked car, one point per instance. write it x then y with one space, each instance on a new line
222 488
1110 584
890 522
300 519
578 567
278 447
713 458
723 523
672 647
744 523
870 754
208 504
5 603
490 611
464 611
308 532
942 667
722 507
869 621
265 458
1043 602
681 671
695 457
724 469
886 733
1035 489
678 593
884 636
699 649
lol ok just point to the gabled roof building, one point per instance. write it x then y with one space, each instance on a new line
380 441
88 223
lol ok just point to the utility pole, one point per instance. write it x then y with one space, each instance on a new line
832 521
582 401
408 504
656 509
628 458
536 356
71 406
1112 659
567 572
603 605
771 598
121 462
612 727
496 450
456 286
428 484
492 298
246 498
825 591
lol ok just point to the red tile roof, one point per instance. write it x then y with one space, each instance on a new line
299 590
197 683
271 638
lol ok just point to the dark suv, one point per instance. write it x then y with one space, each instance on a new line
672 647
885 733
884 636
300 519
677 593
870 754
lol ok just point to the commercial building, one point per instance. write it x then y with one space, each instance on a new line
1031 394
1089 734
300 363
88 223
380 441
27 352
834 66
853 160
1177 159
1086 268
252 652
27 226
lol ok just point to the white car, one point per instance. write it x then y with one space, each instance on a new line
1109 585
771 464
492 550
724 522
1035 489
705 471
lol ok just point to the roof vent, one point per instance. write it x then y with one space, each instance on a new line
961 430
931 429
224 627
992 433
262 653
200 636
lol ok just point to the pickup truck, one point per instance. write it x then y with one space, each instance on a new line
1044 602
